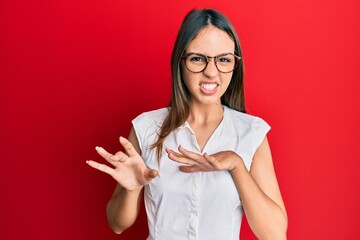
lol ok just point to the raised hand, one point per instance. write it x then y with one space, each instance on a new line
194 162
129 169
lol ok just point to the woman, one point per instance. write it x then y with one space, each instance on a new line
203 161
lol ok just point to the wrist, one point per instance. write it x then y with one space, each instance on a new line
134 191
238 164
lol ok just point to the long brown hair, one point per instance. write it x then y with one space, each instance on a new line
233 97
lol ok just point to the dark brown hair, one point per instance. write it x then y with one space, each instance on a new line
233 97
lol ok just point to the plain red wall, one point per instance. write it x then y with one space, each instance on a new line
73 73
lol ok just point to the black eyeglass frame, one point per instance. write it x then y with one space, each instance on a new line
237 60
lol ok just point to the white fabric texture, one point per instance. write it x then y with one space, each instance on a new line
196 206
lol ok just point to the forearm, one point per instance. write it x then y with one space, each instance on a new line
123 208
265 217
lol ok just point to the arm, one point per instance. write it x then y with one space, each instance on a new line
124 205
260 195
123 208
131 175
259 190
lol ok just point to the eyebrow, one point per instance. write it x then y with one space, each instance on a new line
224 53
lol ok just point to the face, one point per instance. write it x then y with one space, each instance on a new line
208 86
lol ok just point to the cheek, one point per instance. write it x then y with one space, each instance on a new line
226 79
189 79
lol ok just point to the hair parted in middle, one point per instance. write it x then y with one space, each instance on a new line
179 105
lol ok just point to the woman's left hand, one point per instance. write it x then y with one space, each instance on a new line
194 162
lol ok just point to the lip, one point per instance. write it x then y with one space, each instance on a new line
208 88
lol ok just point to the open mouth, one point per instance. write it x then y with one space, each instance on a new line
209 86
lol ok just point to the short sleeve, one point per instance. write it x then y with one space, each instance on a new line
146 127
138 124
259 128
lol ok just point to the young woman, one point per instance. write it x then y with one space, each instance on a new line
202 162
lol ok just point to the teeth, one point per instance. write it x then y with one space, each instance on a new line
209 86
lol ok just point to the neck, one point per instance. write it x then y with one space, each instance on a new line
205 113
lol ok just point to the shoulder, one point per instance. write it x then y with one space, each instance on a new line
249 130
245 120
146 126
151 117
253 129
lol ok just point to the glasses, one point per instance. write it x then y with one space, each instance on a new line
197 62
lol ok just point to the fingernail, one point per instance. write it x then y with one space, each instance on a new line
87 161
96 148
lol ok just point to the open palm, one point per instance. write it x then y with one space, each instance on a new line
129 169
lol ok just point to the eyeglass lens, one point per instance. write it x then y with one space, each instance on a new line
197 62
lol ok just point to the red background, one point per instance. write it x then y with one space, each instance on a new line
73 73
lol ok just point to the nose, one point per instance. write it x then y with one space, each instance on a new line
211 69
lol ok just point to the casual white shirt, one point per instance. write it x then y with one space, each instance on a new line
203 205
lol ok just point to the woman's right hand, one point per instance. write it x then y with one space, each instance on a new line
129 169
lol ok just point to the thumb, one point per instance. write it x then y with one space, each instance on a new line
150 174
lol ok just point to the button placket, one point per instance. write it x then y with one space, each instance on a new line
194 207
194 197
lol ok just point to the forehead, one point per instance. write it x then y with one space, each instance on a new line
211 41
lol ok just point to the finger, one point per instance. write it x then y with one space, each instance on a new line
119 157
168 150
179 157
107 156
190 169
129 148
212 160
102 152
102 167
194 156
150 174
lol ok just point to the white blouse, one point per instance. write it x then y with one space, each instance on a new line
203 205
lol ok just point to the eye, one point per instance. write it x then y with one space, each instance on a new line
224 60
197 58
